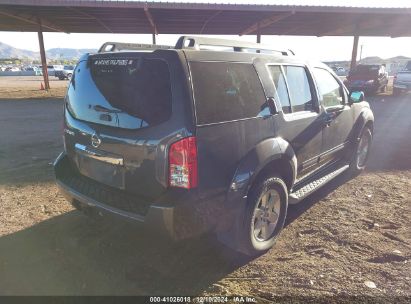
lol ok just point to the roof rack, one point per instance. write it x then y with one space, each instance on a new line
120 46
196 43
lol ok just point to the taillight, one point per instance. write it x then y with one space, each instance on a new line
182 159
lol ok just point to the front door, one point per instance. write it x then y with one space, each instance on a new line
338 118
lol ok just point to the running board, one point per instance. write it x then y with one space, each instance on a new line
301 193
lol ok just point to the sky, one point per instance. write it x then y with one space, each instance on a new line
315 48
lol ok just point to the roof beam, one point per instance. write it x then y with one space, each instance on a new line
31 19
92 17
355 27
209 19
151 20
400 26
266 22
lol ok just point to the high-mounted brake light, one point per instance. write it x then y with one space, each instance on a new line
182 159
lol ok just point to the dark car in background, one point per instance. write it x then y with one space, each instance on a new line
184 140
369 78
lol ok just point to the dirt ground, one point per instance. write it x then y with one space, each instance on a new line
350 232
28 87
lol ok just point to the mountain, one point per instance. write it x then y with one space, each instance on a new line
373 60
64 53
7 51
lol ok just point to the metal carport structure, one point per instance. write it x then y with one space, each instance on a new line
138 17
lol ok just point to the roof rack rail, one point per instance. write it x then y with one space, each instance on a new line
120 46
195 43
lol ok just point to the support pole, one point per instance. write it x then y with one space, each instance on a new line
43 57
354 52
258 33
154 38
361 51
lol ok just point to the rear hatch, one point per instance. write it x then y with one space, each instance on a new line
364 73
119 119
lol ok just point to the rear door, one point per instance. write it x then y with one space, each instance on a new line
119 119
299 122
338 117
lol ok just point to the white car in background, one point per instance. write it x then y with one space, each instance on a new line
12 69
340 71
402 80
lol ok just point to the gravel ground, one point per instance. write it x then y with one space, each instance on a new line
350 233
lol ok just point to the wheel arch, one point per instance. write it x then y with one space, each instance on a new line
366 119
273 155
363 119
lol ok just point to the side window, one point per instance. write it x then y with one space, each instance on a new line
226 91
299 88
331 93
281 87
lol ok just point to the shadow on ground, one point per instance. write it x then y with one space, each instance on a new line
69 254
72 254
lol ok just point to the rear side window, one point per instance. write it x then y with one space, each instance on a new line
281 87
226 91
331 93
299 88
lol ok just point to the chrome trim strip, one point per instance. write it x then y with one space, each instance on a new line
99 155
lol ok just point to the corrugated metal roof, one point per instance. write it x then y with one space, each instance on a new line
370 4
276 18
319 3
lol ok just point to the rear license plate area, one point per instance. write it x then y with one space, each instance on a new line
103 172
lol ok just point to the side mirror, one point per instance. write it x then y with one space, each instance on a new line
356 96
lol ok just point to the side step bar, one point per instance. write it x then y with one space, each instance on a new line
300 193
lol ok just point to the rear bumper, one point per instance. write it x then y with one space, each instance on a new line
158 219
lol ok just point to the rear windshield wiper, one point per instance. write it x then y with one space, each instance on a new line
99 108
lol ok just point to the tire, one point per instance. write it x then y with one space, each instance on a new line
360 156
256 235
69 76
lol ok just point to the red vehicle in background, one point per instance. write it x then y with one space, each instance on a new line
369 78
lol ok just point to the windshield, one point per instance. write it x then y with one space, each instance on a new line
122 92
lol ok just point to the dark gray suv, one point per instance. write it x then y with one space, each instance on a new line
209 135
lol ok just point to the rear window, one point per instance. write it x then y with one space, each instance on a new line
226 91
122 92
365 69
